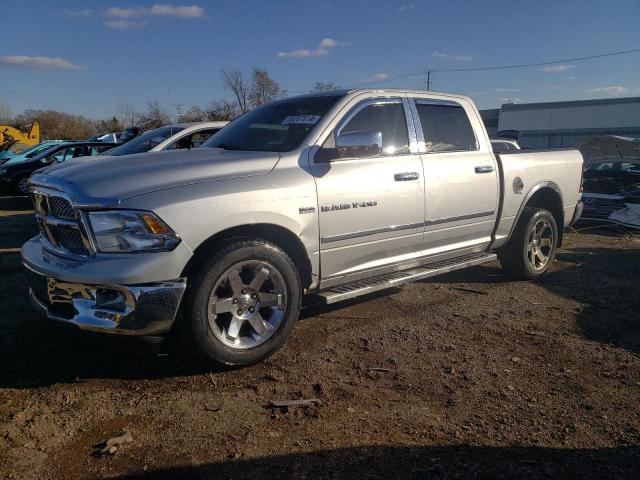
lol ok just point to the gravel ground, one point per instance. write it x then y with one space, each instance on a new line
467 375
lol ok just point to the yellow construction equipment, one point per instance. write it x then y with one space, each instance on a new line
28 135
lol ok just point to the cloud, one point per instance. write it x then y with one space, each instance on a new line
122 24
506 90
452 57
131 18
190 11
79 13
407 8
376 77
549 87
557 68
608 89
570 77
117 12
323 49
37 63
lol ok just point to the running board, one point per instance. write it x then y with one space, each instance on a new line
395 279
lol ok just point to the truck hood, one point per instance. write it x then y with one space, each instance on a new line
106 181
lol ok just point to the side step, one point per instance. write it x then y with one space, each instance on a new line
395 279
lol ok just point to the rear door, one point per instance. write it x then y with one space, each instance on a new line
461 176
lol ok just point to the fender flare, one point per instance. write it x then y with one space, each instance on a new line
536 188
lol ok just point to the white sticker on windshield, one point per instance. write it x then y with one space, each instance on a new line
302 119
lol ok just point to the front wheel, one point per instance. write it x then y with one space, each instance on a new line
22 185
531 249
243 304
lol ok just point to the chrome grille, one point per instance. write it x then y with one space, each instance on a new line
61 208
58 223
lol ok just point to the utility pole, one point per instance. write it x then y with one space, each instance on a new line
428 80
179 111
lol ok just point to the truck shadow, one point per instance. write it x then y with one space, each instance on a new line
606 282
420 462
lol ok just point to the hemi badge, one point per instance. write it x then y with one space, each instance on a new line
303 210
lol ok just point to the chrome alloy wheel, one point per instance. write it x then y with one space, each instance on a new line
247 304
540 244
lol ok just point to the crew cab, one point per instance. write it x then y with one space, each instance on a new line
333 195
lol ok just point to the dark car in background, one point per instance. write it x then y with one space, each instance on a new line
15 174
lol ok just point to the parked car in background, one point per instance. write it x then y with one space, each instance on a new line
504 144
612 192
171 137
28 152
16 171
338 194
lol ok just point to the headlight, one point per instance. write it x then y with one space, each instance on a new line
123 231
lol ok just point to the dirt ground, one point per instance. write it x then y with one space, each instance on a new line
468 375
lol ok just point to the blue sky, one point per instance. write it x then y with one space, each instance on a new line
86 56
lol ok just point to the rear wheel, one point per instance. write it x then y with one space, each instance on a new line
243 304
530 251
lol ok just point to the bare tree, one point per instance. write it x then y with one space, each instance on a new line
126 114
154 117
221 110
235 82
320 87
194 114
263 88
5 113
59 125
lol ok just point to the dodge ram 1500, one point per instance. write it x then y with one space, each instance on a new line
336 194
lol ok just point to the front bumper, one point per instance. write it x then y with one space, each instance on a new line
139 310
118 294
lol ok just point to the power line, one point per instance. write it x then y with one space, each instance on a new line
421 72
539 64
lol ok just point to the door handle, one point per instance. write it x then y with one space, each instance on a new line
484 169
406 176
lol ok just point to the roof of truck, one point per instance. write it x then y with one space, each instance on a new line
343 92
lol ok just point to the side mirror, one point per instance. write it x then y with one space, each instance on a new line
364 143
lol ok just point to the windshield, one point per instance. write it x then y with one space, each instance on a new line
144 142
275 127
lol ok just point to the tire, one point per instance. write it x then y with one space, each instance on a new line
238 320
20 184
528 255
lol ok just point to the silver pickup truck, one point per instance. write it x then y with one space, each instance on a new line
334 195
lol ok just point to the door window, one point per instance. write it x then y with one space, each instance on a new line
446 127
193 140
388 119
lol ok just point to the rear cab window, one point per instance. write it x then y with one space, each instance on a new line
445 126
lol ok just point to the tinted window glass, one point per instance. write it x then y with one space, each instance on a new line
386 118
146 141
192 141
275 127
446 128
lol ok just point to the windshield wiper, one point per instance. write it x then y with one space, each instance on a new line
224 146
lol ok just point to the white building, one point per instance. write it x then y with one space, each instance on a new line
565 124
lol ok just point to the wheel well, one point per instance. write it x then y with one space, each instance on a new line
550 200
280 236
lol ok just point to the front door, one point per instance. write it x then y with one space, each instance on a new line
371 209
